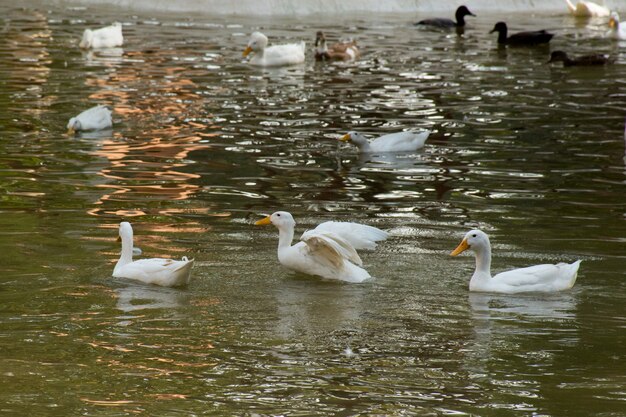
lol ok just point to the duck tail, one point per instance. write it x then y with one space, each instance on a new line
573 272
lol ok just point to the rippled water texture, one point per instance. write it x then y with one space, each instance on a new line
203 145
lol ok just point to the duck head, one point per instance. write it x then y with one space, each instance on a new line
500 27
125 231
614 20
461 12
354 137
257 43
73 126
87 40
476 240
280 219
320 39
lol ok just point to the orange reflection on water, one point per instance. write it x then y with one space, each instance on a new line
162 123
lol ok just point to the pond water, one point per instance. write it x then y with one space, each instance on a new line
203 145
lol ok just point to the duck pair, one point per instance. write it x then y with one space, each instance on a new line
529 38
330 251
294 53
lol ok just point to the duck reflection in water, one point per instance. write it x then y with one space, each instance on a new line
141 297
500 318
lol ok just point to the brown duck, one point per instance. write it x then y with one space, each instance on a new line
340 51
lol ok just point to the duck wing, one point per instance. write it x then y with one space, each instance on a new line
330 248
529 38
98 117
399 142
288 54
439 22
545 277
359 236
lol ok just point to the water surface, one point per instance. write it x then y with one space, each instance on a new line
203 145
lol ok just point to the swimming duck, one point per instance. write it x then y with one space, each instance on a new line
163 272
594 59
441 22
273 56
393 142
340 51
95 118
538 278
328 251
106 37
587 9
618 28
530 38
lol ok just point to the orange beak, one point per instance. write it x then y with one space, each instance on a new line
463 246
247 51
263 222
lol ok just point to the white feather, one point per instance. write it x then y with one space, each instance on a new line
106 37
360 236
393 142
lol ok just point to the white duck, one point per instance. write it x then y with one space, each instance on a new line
538 278
618 29
328 251
587 9
106 37
273 56
393 142
95 118
164 272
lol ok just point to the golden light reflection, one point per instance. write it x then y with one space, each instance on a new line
168 396
159 105
107 403
28 61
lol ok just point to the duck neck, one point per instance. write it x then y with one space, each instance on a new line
502 36
483 262
460 20
126 256
363 144
285 237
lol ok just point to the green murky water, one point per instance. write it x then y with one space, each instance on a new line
202 145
